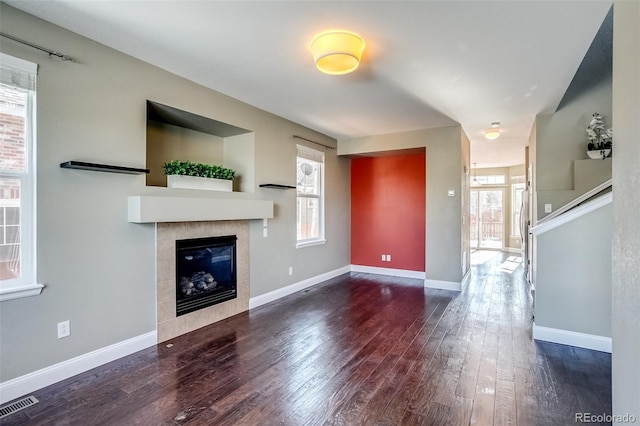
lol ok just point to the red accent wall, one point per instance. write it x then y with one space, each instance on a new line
388 196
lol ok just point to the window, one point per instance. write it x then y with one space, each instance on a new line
310 197
517 186
17 179
489 179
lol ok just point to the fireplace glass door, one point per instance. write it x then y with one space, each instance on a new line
205 272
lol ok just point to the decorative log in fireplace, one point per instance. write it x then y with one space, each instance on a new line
205 272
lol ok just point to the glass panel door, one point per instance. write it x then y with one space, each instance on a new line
474 221
487 219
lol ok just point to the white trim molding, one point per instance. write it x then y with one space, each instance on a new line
577 201
514 250
8 292
444 285
577 212
465 279
572 338
274 295
311 243
156 208
404 273
39 379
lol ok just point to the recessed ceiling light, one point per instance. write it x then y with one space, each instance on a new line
337 52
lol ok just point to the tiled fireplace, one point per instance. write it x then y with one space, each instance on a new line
170 325
178 217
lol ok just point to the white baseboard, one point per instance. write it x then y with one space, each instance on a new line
443 285
263 299
572 338
404 273
39 379
254 302
465 279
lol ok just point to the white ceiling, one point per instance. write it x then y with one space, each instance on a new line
426 64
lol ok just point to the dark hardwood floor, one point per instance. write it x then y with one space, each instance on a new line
357 350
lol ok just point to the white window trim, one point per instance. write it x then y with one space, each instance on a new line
311 243
321 237
10 292
23 76
483 180
514 209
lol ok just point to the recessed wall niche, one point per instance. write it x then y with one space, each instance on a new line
173 134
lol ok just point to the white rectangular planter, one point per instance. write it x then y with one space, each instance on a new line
195 182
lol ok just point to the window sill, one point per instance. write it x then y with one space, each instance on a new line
10 292
311 243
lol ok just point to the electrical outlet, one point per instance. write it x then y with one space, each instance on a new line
384 258
388 258
290 270
64 329
265 232
547 208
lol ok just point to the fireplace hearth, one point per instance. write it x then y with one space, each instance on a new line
205 272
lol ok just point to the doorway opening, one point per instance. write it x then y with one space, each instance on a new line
487 219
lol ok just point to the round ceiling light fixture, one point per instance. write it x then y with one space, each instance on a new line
337 52
493 132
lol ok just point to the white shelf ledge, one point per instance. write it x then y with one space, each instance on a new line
152 209
19 291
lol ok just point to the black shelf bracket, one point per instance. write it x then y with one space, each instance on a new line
81 165
276 186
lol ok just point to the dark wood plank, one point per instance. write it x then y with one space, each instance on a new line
505 403
357 349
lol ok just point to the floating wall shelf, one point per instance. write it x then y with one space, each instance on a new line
80 165
276 186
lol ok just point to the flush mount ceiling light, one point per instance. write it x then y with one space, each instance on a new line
493 132
337 52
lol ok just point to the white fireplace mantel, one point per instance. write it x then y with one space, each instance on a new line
153 209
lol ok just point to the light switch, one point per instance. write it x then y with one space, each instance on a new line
451 193
547 208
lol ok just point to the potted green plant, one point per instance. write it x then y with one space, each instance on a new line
600 138
189 175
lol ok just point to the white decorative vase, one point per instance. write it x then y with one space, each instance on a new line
196 182
599 154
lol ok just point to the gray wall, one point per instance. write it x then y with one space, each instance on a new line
626 208
166 142
561 139
99 269
574 293
445 171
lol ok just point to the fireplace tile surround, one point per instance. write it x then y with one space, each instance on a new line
170 326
